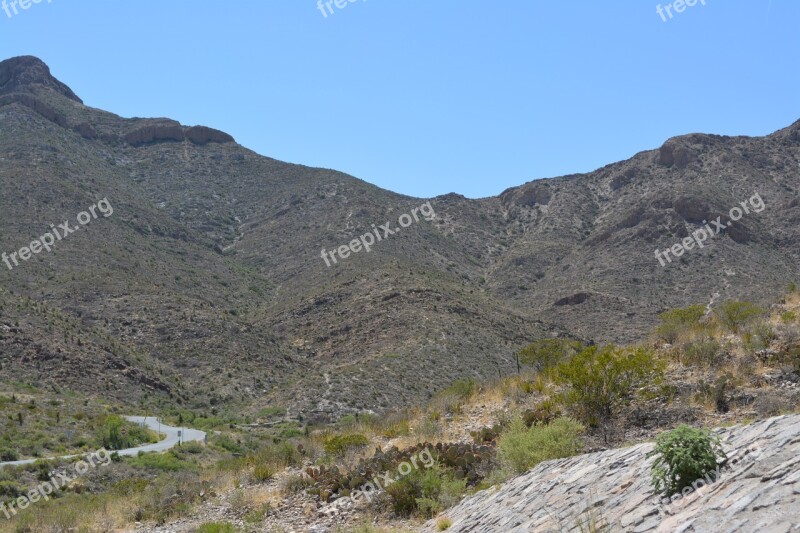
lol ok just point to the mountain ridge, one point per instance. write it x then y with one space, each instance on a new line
207 232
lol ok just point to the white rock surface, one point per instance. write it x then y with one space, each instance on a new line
760 493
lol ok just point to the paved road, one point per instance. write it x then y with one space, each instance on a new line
187 435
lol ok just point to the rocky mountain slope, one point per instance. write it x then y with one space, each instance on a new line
758 491
210 266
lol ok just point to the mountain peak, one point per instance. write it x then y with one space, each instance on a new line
20 74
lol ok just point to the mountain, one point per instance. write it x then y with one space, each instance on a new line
206 286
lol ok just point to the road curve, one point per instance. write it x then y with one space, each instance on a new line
187 435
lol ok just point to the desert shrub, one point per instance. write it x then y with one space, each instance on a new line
486 434
683 456
734 315
129 486
169 496
263 472
600 380
281 455
716 393
162 461
462 388
515 387
765 332
542 413
296 483
112 437
443 523
521 448
446 402
788 334
258 515
396 425
676 322
702 350
788 317
217 527
8 455
271 412
451 399
545 354
191 448
10 490
338 445
226 443
425 492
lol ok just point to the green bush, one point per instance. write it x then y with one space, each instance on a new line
734 315
217 527
339 444
226 443
161 461
10 489
263 472
600 380
462 388
425 492
130 486
545 354
684 455
117 434
676 322
702 350
271 412
258 515
8 455
521 448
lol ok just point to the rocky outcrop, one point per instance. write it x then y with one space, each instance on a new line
161 132
693 210
37 105
758 491
26 72
171 131
205 135
575 299
86 130
671 154
528 195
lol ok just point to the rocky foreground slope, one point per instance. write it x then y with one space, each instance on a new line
611 491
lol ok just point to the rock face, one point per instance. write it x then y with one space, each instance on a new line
26 72
166 131
37 105
205 135
759 491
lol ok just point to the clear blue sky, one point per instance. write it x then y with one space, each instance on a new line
426 97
